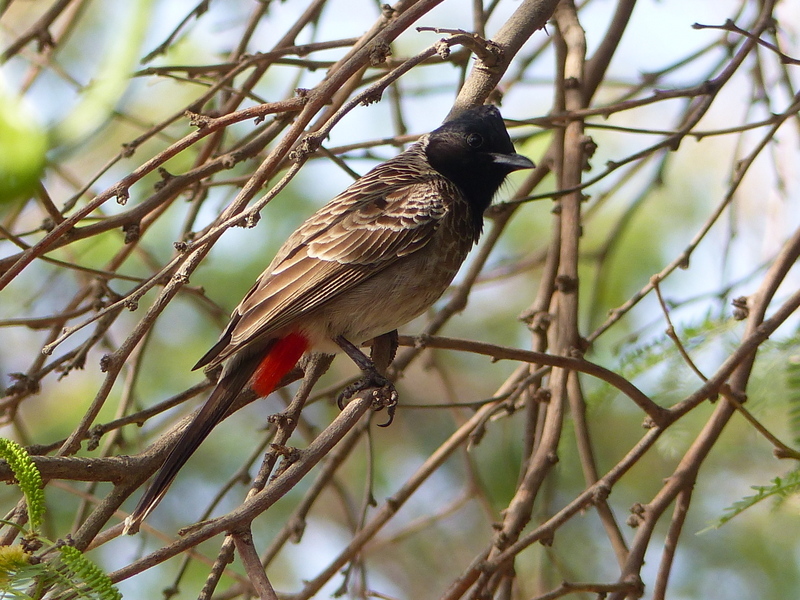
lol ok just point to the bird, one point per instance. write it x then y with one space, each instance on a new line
373 258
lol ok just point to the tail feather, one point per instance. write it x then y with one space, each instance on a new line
282 357
266 372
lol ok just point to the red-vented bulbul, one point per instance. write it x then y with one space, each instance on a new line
373 258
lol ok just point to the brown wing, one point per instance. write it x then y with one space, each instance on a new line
361 232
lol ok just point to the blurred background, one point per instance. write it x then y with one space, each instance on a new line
90 91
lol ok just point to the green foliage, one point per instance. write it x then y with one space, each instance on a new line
638 359
73 572
28 477
70 575
14 565
660 359
781 489
793 383
23 144
85 577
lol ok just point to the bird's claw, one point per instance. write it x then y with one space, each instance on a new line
389 401
384 394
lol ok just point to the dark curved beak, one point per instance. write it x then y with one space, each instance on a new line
512 162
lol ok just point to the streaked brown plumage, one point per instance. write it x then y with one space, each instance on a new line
373 258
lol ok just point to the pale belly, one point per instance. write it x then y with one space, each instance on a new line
386 301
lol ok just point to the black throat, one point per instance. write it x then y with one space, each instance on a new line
476 177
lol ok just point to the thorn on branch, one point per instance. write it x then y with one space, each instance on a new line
477 434
228 161
197 120
580 350
488 52
739 168
378 52
77 362
501 540
44 40
709 87
588 148
23 384
106 362
421 341
495 97
600 493
372 98
547 538
566 284
740 309
132 232
180 278
281 419
95 435
287 452
128 148
673 143
636 585
649 423
251 219
308 145
638 511
443 49
290 455
297 528
166 176
132 303
122 195
538 321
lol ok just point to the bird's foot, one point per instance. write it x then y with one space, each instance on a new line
384 394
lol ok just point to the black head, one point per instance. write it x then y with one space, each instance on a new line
474 152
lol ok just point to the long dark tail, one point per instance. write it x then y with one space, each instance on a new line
268 369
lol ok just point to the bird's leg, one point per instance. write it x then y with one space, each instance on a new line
384 347
384 395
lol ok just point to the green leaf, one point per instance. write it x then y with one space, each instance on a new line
86 577
793 383
781 488
28 477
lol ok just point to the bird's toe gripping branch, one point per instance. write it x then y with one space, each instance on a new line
384 394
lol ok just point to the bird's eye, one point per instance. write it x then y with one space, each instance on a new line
475 140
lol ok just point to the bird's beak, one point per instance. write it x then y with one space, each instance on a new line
512 162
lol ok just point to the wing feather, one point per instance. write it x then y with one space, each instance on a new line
391 212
